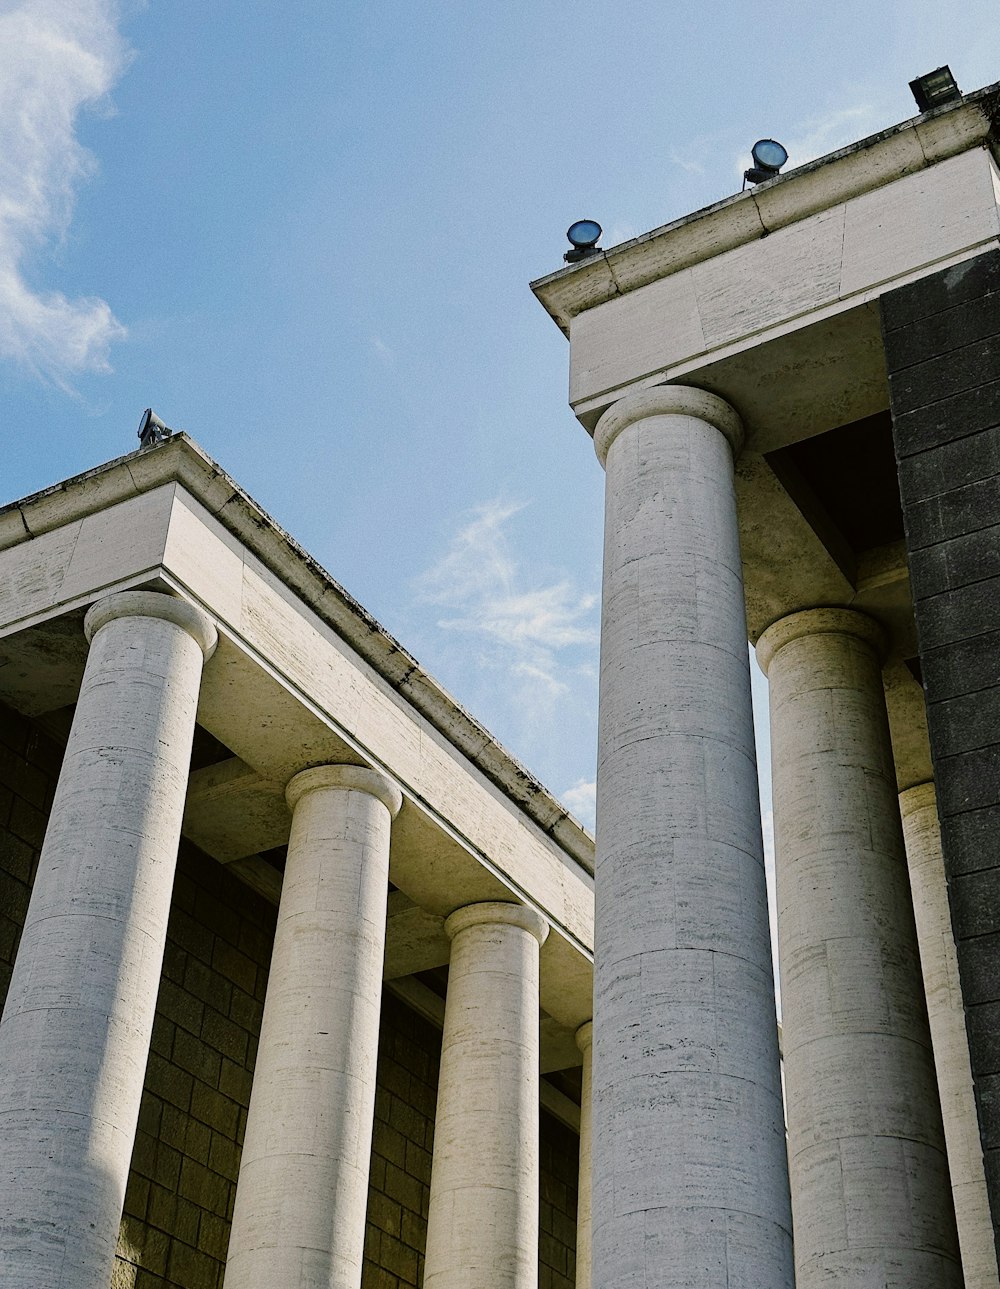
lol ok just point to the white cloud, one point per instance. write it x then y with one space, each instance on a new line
692 167
767 820
529 628
581 800
59 57
818 135
385 354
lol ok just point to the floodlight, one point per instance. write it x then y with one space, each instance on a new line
583 236
152 430
935 88
768 158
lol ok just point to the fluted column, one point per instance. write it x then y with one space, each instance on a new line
584 1278
690 1173
939 964
74 1038
482 1228
870 1191
303 1184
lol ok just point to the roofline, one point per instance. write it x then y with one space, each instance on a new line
913 145
179 459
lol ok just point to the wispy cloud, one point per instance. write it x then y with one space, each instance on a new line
581 800
60 56
692 167
819 135
537 633
767 820
382 350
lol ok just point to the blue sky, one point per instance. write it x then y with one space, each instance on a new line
304 233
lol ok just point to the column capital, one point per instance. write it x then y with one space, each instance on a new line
495 913
153 604
667 400
919 797
585 1036
345 778
813 622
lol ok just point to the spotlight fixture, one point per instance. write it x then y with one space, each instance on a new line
768 158
583 237
935 88
152 430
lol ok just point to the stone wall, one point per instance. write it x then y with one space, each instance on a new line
942 340
29 764
179 1202
560 1166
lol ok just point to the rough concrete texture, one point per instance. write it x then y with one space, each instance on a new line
300 1202
939 963
870 1189
690 1174
482 1227
585 1042
74 1038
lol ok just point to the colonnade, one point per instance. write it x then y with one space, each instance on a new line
691 1179
682 1122
75 1033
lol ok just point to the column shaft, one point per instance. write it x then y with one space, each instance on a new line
870 1191
946 1014
75 1033
482 1228
690 1172
303 1184
584 1277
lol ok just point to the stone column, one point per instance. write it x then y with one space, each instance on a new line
482 1228
870 1191
939 963
690 1173
585 1042
74 1038
303 1184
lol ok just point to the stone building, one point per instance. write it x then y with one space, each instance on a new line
796 397
298 963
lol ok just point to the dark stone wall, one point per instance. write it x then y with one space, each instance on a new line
942 344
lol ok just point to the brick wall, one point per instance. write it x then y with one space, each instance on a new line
29 764
399 1189
942 341
560 1168
179 1202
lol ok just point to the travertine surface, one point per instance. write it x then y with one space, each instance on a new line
690 1175
585 1041
303 1185
870 1192
74 1038
482 1227
939 963
832 259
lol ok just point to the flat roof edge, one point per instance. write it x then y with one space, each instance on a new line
860 167
181 460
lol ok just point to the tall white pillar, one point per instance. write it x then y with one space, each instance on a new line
945 1011
690 1173
303 1185
74 1038
870 1192
482 1228
584 1278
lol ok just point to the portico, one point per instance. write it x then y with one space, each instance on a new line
749 368
333 781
